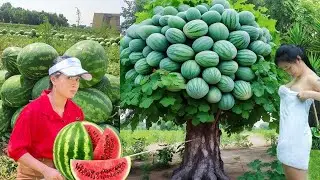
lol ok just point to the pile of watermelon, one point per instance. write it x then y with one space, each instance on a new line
26 75
209 47
83 151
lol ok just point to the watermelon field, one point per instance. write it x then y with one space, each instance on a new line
203 71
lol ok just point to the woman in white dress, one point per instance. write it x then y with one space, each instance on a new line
295 138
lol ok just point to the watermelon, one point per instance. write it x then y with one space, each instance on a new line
97 106
225 49
142 67
176 22
218 31
245 73
252 31
207 58
154 58
40 85
93 59
242 90
158 10
155 19
170 10
4 75
95 132
72 142
230 18
203 9
175 36
35 59
225 3
135 56
190 69
214 95
145 31
228 67
246 57
125 53
9 59
164 29
226 84
109 146
217 7
137 45
112 169
157 42
240 39
227 102
180 52
110 86
195 29
182 15
16 91
202 44
169 65
15 116
258 47
124 42
211 75
183 7
211 17
5 116
246 18
146 50
193 13
131 74
163 21
197 88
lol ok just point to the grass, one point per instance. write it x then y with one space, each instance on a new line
314 165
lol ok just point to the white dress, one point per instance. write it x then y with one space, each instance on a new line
295 138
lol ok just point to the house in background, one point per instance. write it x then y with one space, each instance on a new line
111 20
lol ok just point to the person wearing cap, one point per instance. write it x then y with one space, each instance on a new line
32 138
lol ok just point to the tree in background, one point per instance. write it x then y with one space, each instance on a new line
129 12
152 92
10 14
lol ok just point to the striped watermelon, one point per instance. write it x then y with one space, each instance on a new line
228 67
230 18
72 142
197 88
226 84
175 36
157 42
16 91
195 29
40 85
146 50
202 44
142 67
15 116
211 75
4 75
110 86
154 58
190 69
9 59
97 106
225 49
193 13
214 95
35 59
227 102
217 7
131 74
218 31
5 115
169 65
246 57
240 39
176 22
95 132
207 58
180 52
242 90
93 59
211 17
135 56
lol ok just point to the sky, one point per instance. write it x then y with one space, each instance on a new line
68 7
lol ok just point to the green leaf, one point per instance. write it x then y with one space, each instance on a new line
204 108
195 121
167 101
204 117
191 110
146 102
258 89
268 107
245 114
237 109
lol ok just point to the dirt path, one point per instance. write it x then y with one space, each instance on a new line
235 161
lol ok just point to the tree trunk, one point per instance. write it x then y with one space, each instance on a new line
202 157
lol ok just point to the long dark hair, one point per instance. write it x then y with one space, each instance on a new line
56 74
289 53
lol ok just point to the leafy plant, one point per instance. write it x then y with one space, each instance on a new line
139 146
164 156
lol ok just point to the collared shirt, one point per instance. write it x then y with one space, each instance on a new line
38 125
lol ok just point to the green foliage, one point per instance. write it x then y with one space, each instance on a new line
164 156
265 170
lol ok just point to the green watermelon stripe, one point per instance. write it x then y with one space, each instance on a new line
64 153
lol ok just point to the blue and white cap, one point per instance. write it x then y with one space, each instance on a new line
70 67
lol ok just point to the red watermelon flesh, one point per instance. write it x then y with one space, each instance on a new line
112 169
109 146
94 131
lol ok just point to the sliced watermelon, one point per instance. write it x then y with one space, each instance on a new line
94 131
112 169
109 146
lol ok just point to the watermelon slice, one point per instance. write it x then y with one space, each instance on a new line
112 169
94 131
109 146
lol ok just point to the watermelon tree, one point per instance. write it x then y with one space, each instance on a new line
201 63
